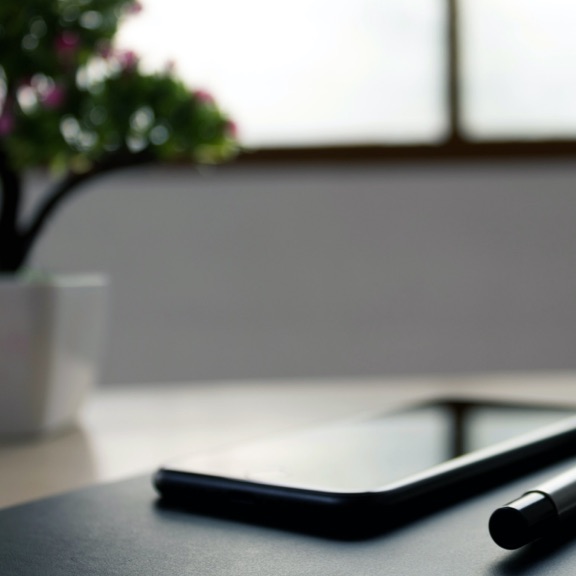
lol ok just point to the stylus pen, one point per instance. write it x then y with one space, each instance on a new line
535 513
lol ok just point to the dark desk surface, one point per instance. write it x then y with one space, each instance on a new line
116 529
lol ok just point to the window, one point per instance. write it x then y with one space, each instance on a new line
391 73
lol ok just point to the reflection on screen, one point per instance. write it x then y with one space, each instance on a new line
364 455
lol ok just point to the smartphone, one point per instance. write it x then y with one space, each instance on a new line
369 473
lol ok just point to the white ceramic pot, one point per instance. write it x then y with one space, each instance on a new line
51 333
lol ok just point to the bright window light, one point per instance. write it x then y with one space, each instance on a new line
307 72
518 68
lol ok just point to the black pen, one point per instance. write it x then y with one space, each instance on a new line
535 513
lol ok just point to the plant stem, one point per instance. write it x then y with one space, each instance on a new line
10 238
66 187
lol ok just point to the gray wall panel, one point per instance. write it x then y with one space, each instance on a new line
242 272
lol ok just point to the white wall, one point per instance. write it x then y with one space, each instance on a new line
249 272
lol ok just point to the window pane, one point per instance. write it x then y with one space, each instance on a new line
518 69
307 71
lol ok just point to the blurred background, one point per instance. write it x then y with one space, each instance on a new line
405 203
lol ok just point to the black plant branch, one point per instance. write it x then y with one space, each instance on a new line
17 241
10 235
70 184
11 195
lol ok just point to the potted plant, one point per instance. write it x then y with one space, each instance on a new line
74 104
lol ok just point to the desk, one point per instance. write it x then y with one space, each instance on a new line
131 429
120 528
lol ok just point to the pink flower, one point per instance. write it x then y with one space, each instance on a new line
105 50
127 59
66 45
204 97
169 66
134 8
231 129
54 97
7 123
